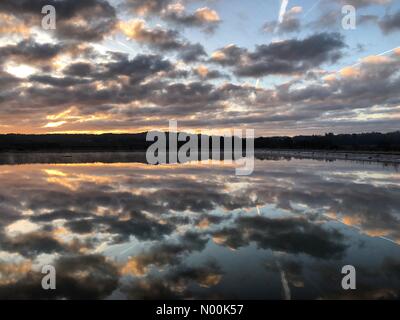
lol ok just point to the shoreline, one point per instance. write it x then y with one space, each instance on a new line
106 156
329 155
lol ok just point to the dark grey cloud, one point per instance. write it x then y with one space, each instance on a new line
194 95
157 38
58 82
377 83
284 235
140 227
163 40
367 18
175 13
331 15
192 52
204 73
147 6
204 18
84 20
285 57
30 52
79 69
98 19
80 226
377 282
138 68
287 26
32 244
390 23
170 253
175 284
59 214
290 23
8 81
78 277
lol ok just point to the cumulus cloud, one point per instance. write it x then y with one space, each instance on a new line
205 18
86 20
205 73
162 39
28 51
11 25
289 22
157 37
176 13
283 235
145 7
175 284
78 277
192 52
8 81
284 57
390 23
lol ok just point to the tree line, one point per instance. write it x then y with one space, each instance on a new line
137 142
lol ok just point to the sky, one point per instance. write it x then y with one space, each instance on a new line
280 67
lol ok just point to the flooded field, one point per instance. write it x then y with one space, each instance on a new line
116 228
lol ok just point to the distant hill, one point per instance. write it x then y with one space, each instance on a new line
137 142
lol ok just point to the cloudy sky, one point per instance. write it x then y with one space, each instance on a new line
280 67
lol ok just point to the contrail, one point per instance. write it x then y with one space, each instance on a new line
311 9
357 228
126 46
389 51
282 11
360 62
378 55
285 284
126 250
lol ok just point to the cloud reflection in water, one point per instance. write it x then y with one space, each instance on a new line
128 230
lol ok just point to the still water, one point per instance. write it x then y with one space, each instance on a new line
116 228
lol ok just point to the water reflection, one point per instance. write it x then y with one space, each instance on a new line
131 231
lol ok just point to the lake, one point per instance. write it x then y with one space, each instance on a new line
116 228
